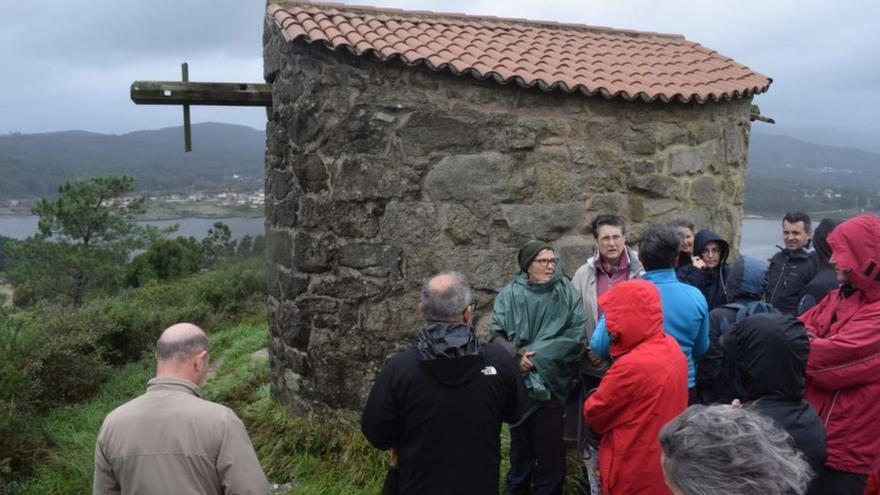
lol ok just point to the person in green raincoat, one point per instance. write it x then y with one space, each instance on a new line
540 319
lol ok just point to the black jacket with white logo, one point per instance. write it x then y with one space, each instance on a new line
441 404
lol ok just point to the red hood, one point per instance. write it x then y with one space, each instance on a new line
633 314
856 246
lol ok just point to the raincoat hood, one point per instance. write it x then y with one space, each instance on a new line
745 280
856 246
820 239
770 351
706 236
633 314
451 352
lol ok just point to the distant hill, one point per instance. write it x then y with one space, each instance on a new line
34 165
787 174
784 172
773 155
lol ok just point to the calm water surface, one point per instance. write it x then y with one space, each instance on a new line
759 236
21 226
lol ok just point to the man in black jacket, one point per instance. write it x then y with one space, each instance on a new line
441 403
793 267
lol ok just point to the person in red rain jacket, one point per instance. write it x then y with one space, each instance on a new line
644 389
843 368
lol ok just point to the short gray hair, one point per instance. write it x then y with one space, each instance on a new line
732 450
446 304
181 349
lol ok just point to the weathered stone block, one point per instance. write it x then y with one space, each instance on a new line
606 203
691 160
573 251
462 226
643 167
284 284
489 176
704 191
362 178
310 172
279 247
279 183
437 131
518 138
639 141
281 213
555 183
546 222
603 168
733 144
671 134
347 286
658 206
656 185
410 223
378 260
345 218
314 253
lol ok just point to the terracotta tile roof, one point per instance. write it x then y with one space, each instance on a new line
613 63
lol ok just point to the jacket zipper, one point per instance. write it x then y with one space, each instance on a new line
831 409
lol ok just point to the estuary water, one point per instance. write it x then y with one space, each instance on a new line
21 226
759 236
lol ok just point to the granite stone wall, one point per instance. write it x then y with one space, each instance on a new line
379 174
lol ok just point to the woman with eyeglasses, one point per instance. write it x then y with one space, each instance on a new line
540 319
709 270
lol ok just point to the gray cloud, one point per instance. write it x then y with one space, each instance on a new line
68 64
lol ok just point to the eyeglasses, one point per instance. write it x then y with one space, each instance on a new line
472 305
545 262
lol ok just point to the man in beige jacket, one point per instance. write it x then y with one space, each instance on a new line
170 440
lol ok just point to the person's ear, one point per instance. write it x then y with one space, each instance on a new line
421 310
201 360
467 316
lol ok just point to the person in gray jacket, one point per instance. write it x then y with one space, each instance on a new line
170 440
612 263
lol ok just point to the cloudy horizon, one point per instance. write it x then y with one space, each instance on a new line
69 65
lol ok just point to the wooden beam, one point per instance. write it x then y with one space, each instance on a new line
187 132
198 93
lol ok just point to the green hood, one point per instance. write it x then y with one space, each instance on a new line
549 320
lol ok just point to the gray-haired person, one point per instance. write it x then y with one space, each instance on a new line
170 440
441 403
732 450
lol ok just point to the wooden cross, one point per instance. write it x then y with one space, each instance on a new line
188 93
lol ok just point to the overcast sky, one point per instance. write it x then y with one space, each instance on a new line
68 64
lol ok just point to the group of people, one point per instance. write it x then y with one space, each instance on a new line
672 368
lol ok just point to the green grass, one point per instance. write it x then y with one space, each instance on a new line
320 457
74 429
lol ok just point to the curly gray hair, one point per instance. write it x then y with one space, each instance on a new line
732 450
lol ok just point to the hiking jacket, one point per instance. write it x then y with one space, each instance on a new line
685 319
643 390
441 405
170 440
825 279
711 282
745 284
770 351
843 369
787 277
549 320
585 282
